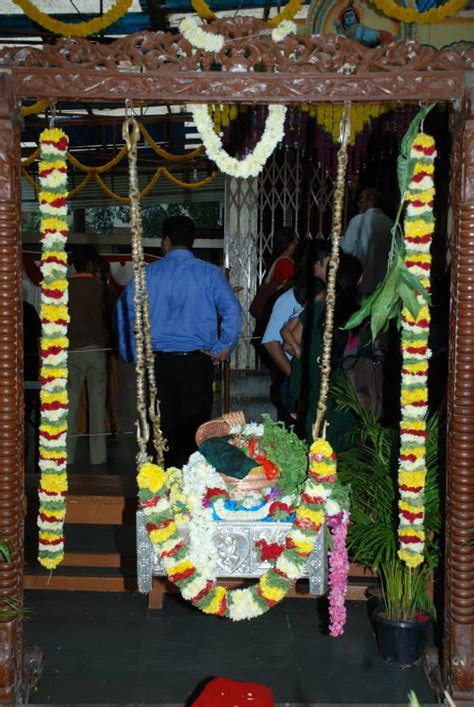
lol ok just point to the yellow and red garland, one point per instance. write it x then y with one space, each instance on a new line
207 594
418 233
54 346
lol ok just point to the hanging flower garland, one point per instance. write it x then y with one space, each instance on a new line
205 593
287 13
54 346
75 29
419 227
251 165
199 38
410 15
213 42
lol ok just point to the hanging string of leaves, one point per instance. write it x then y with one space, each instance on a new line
399 285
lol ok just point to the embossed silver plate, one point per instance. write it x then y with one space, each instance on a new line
235 546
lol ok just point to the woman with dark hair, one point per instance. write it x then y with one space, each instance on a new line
278 277
305 378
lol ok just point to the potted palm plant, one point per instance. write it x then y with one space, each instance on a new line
403 606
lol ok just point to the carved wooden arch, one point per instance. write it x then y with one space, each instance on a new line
249 69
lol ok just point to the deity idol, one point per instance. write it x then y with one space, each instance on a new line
348 24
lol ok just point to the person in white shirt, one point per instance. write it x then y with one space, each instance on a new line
368 236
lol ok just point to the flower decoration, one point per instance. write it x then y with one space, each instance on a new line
75 29
54 346
287 562
251 165
411 15
338 572
418 233
282 30
287 13
199 38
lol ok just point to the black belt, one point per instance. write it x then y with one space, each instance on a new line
179 353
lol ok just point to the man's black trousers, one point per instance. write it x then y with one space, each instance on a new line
184 385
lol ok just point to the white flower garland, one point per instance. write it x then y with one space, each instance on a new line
200 39
252 165
282 30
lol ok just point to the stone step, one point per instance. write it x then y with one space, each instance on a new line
254 384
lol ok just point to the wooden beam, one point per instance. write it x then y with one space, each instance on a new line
235 87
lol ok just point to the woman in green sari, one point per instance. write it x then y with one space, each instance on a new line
305 377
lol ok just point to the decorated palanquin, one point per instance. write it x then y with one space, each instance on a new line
237 506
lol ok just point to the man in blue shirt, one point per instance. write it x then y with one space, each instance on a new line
186 296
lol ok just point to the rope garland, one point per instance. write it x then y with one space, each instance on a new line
145 365
336 228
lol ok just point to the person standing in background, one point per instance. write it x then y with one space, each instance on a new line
309 282
369 237
185 297
90 331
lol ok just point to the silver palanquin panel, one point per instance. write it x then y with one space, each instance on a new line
235 545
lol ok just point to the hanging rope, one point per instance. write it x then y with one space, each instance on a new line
145 364
345 129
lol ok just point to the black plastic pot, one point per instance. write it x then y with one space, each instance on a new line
401 643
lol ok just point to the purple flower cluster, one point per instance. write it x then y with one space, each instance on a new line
338 572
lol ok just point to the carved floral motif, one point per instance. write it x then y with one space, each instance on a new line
248 47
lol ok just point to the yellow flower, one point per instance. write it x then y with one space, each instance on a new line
54 483
162 534
52 135
423 167
418 227
415 424
48 535
305 548
57 372
424 196
412 533
53 223
58 396
419 395
404 506
181 567
412 559
58 285
54 429
423 140
316 517
414 479
50 454
54 312
219 593
61 341
51 562
49 196
54 164
321 447
269 592
418 343
151 477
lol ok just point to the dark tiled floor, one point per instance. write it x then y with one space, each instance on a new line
107 648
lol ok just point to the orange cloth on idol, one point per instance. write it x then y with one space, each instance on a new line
223 692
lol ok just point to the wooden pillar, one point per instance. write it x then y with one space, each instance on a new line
12 498
458 649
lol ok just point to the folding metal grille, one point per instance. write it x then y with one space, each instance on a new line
290 191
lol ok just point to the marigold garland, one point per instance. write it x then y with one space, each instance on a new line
410 15
75 29
208 595
54 346
287 13
418 233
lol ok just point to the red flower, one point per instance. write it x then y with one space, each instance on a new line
269 551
